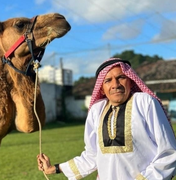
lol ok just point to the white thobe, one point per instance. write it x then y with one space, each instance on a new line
149 152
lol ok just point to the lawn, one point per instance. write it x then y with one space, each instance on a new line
60 142
18 151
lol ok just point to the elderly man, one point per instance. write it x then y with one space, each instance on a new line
127 132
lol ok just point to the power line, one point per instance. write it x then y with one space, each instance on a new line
107 12
114 46
90 22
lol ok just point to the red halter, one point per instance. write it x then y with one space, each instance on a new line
23 38
15 46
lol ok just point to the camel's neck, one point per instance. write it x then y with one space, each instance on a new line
7 108
19 91
23 85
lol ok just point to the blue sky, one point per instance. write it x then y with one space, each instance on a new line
102 28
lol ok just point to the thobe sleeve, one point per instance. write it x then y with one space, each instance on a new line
163 165
83 165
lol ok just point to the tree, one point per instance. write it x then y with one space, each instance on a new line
137 59
81 80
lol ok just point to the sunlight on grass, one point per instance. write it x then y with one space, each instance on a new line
18 151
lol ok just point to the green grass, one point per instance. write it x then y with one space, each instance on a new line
18 151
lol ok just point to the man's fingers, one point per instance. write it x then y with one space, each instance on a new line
39 161
45 157
40 168
40 157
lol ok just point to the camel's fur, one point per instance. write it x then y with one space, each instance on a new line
16 89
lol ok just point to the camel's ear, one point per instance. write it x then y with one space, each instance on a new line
1 27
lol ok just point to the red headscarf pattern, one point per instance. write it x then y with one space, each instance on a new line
139 85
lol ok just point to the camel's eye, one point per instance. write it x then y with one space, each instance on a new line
20 25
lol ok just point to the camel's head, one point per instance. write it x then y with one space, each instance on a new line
22 40
40 30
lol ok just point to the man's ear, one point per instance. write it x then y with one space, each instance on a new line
102 92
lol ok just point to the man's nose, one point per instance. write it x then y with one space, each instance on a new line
115 83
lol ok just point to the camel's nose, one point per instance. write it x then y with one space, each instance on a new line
69 27
59 16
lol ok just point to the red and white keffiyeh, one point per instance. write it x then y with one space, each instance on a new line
139 85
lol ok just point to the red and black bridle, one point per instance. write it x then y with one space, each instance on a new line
24 38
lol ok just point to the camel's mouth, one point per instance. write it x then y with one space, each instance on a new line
35 55
30 61
44 44
38 53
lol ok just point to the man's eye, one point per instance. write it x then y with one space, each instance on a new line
122 77
106 80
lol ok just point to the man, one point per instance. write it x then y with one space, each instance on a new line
127 133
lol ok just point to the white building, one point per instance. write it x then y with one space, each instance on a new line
55 75
52 80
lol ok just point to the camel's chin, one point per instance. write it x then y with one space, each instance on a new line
38 53
59 35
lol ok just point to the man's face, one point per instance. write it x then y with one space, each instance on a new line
116 86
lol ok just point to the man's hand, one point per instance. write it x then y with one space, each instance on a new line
45 165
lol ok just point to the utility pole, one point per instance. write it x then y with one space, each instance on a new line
62 72
63 92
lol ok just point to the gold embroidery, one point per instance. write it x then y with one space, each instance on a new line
128 136
112 117
140 177
74 168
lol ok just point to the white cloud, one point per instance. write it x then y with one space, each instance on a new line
96 12
85 66
124 31
167 32
116 12
99 11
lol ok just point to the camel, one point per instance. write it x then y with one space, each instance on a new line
22 42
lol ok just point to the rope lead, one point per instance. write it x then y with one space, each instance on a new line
36 66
